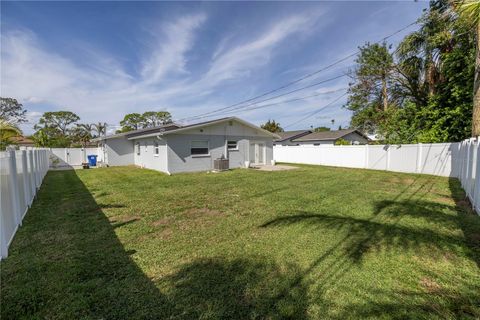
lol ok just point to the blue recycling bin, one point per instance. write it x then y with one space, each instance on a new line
92 160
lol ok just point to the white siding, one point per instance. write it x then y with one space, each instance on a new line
148 158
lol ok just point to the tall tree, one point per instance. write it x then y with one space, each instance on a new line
469 11
55 128
12 111
372 92
156 118
99 129
82 134
8 131
321 129
61 120
131 121
272 126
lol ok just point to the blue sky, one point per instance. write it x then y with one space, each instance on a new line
102 60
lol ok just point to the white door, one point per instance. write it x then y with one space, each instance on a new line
257 152
261 153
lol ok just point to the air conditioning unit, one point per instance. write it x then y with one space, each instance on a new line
220 164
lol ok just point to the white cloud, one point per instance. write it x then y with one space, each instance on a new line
169 50
244 58
98 88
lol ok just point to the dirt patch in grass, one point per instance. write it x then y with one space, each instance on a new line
465 205
162 222
430 286
199 212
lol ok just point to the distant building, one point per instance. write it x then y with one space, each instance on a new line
307 137
286 137
22 141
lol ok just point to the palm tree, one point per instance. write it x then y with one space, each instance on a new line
422 49
7 132
99 129
469 11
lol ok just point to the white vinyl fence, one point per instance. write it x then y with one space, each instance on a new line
66 157
21 174
460 160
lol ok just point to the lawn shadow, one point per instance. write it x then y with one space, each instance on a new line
67 262
245 288
467 219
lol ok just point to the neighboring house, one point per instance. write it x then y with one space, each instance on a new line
22 141
174 148
286 137
330 137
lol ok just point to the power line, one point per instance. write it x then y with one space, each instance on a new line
294 81
316 111
284 101
271 98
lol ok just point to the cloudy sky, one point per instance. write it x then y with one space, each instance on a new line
102 60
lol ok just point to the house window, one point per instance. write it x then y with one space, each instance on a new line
316 144
232 145
138 148
156 149
199 148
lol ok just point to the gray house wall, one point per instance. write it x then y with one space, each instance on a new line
175 148
119 152
148 158
180 159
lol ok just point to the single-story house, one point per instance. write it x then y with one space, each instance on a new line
330 137
22 141
286 137
174 148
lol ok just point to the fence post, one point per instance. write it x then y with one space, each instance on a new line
419 157
388 157
476 184
13 182
30 174
366 156
5 168
26 187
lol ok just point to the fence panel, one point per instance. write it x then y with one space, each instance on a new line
66 157
460 160
21 174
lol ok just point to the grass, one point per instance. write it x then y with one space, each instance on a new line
316 242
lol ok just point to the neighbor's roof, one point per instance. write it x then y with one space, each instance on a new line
174 128
287 135
327 135
21 140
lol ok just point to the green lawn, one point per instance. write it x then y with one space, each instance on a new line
311 243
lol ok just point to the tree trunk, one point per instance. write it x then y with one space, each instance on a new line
384 94
476 89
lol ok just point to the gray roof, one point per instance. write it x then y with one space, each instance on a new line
172 127
129 134
287 135
327 135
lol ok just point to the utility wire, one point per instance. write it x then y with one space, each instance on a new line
297 80
275 97
283 101
311 114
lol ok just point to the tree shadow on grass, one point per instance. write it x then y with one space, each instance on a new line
467 219
66 262
386 231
